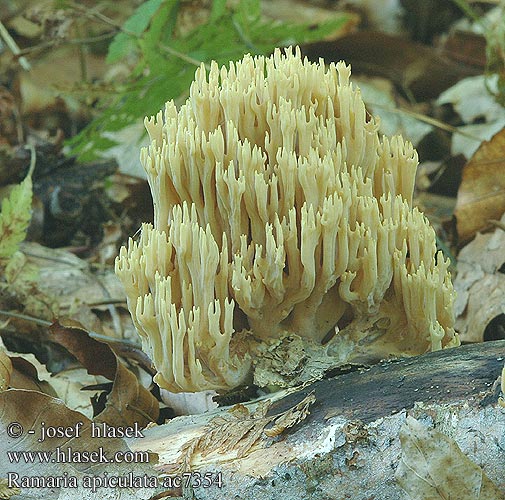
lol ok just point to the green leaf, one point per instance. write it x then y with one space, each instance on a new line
160 30
160 74
163 23
121 46
15 218
218 10
124 42
140 19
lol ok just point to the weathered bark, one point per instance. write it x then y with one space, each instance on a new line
442 377
348 447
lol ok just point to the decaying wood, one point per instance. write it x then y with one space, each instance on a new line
348 447
442 377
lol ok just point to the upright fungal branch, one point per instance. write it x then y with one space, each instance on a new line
280 218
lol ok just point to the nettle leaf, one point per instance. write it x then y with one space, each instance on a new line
124 42
120 47
160 74
15 218
218 9
162 26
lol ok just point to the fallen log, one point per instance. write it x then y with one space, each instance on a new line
349 445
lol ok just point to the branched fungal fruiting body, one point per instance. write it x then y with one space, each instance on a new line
279 216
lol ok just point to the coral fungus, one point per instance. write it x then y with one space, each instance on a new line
283 232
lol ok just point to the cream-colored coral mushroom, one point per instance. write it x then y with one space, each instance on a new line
280 217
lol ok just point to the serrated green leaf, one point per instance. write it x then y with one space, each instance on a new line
161 26
140 19
218 10
160 75
124 42
249 10
120 47
15 218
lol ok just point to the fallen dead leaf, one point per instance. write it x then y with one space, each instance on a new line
471 98
70 384
97 357
25 374
472 101
481 196
466 47
479 284
25 371
5 368
413 66
291 11
433 467
48 282
380 99
128 402
25 411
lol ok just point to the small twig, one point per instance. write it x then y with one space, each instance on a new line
43 322
33 159
55 259
426 119
122 348
13 46
101 17
76 41
248 43
37 321
19 125
184 57
106 302
82 60
114 24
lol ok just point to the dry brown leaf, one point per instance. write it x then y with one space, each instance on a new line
128 402
466 47
23 371
479 285
97 357
49 282
69 386
29 373
433 467
419 68
5 368
60 68
25 411
481 195
25 374
485 303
